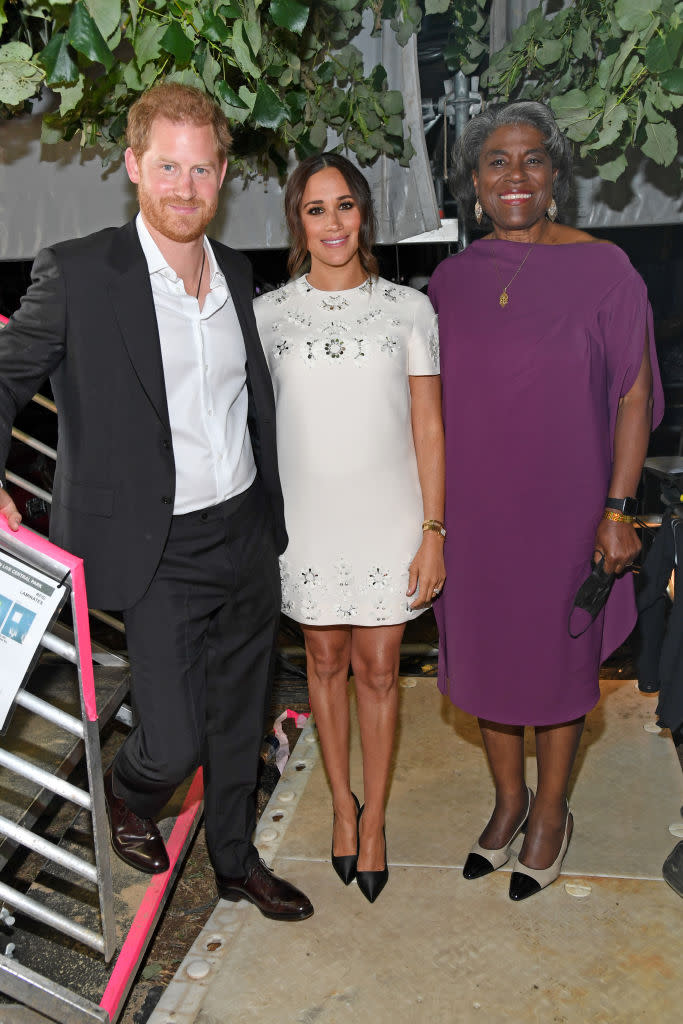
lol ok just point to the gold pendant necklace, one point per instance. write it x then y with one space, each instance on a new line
504 297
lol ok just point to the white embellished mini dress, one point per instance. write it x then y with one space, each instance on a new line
340 364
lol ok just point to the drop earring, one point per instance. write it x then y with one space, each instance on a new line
551 212
478 211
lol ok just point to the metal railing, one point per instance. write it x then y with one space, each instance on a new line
38 553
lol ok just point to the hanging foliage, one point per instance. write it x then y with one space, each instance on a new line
467 44
284 72
611 72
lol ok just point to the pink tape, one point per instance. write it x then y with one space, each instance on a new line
132 950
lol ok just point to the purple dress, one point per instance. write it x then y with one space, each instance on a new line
531 393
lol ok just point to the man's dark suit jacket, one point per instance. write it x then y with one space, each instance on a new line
88 321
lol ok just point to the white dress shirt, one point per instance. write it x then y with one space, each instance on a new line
204 362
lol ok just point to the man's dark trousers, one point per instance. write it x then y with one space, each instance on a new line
201 646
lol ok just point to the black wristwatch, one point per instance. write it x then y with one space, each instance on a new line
627 506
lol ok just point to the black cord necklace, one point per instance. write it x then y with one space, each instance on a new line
201 272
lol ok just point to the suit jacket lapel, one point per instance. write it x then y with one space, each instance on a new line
133 303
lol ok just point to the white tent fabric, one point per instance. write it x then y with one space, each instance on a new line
50 193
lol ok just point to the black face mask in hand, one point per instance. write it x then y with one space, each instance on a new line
592 595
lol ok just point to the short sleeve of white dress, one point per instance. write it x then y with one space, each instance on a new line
341 363
423 345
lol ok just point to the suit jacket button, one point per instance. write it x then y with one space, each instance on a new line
167 500
166 444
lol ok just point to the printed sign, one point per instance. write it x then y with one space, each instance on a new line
28 602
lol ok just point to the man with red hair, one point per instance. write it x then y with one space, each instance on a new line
166 482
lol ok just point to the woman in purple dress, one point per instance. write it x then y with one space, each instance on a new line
547 362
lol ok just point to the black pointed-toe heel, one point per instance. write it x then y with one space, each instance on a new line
371 883
482 862
345 866
525 881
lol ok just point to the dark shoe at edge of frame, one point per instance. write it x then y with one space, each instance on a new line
345 864
137 841
273 896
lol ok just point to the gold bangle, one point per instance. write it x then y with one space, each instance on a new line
434 524
617 517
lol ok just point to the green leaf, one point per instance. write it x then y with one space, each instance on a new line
228 95
318 135
70 96
175 42
437 6
394 126
605 69
3 16
569 102
634 14
581 43
573 113
296 100
106 14
325 73
16 51
247 96
147 43
610 130
232 105
611 170
15 85
132 77
210 71
657 56
57 61
214 28
86 38
50 134
631 70
661 142
623 55
550 52
304 148
252 30
187 77
392 102
241 51
290 15
269 110
672 80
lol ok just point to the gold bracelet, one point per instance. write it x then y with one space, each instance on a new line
434 524
617 517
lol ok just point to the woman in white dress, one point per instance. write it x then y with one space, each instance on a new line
355 365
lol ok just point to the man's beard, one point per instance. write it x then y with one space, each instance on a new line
176 227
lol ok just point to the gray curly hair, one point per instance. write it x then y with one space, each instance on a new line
468 148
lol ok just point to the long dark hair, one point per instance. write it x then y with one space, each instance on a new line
299 260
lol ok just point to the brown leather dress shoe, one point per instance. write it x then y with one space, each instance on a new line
135 840
273 896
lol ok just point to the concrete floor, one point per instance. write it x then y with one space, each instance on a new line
434 947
